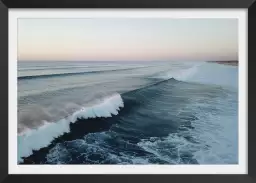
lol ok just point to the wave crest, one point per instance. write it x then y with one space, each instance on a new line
181 75
35 139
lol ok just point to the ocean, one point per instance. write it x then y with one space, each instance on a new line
127 113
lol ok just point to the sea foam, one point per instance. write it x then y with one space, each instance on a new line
180 74
35 139
206 73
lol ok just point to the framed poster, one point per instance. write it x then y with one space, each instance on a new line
127 88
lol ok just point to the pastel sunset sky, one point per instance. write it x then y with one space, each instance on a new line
121 39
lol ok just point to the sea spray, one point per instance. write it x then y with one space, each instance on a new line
36 139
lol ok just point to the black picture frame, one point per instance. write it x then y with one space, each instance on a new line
250 5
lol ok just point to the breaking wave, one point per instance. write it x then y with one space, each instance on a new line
181 75
205 73
35 139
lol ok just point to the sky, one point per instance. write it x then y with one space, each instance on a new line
124 39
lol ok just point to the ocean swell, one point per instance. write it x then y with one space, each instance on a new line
75 73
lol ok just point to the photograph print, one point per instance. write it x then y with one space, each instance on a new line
127 91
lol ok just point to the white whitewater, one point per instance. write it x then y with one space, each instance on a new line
36 139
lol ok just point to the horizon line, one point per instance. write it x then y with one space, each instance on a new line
229 60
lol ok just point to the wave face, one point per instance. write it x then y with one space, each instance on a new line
43 135
165 113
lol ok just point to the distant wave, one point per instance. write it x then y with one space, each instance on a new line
35 139
181 75
66 67
73 73
52 68
205 73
